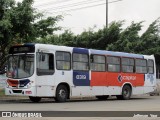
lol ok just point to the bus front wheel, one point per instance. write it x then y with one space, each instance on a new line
35 99
126 93
61 93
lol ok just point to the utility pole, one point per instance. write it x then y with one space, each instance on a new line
106 13
107 10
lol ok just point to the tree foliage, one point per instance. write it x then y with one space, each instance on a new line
21 23
5 26
114 38
128 39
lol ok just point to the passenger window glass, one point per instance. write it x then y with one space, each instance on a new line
45 64
128 65
80 61
63 60
141 66
150 66
97 63
113 64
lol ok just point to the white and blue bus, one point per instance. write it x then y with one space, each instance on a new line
41 70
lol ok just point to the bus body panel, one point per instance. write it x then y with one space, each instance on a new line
99 79
47 84
150 79
44 83
21 90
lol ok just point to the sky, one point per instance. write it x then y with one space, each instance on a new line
79 15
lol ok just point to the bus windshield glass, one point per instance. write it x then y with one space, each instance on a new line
20 66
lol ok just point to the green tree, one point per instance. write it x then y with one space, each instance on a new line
109 35
150 40
67 38
85 39
20 23
5 27
128 39
49 39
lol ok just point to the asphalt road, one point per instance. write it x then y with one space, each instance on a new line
136 103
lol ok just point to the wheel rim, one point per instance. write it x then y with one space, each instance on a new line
62 93
126 93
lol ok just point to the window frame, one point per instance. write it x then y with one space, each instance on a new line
80 61
63 60
113 64
141 66
98 63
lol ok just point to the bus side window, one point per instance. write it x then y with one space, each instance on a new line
80 62
128 65
150 64
141 66
113 64
63 60
45 64
97 63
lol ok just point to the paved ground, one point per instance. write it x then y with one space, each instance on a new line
137 103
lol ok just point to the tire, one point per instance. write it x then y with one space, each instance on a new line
119 97
35 99
61 93
126 93
104 97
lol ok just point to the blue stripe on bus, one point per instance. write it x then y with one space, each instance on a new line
24 82
29 44
80 50
80 77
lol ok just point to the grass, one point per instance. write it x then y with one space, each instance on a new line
2 92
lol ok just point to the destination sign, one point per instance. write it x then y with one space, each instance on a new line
21 49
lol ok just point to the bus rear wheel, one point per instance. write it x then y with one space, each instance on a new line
35 99
103 97
126 93
61 93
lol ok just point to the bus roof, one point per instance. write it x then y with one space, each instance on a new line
91 51
123 54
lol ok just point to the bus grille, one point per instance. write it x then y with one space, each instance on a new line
17 91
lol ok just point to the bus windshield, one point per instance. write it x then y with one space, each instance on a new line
20 66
